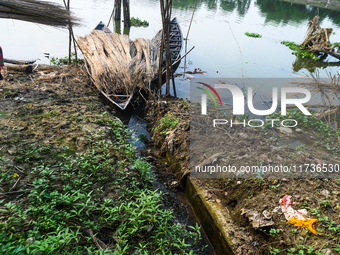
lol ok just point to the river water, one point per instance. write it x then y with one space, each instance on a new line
217 32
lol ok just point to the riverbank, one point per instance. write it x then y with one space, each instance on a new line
246 210
70 180
327 4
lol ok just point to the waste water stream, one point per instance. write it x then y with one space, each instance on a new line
134 119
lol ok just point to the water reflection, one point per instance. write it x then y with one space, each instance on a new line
277 11
117 26
312 65
241 7
281 12
215 48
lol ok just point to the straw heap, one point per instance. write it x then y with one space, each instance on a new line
37 11
117 64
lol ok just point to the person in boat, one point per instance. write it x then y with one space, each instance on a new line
1 63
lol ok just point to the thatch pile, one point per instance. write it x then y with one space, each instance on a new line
37 11
117 64
317 39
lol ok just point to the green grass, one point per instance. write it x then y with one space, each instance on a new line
104 190
167 123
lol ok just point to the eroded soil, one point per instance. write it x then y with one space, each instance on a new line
258 194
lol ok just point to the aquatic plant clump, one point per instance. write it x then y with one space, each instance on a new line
255 35
136 22
316 42
299 51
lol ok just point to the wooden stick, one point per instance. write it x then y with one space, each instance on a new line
69 36
108 23
181 58
15 184
18 191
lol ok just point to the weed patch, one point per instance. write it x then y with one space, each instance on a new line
299 51
136 22
167 123
254 35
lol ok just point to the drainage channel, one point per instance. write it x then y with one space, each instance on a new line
134 119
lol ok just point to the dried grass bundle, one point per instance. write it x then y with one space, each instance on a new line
329 90
37 11
117 64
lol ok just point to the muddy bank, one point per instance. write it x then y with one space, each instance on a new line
247 208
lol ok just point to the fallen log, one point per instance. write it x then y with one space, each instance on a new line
20 68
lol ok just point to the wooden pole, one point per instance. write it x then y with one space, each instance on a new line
126 9
160 82
166 16
70 36
118 4
170 60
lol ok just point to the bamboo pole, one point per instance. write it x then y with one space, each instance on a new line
187 37
166 29
126 9
118 4
70 36
160 83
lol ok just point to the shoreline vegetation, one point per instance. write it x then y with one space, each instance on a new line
71 183
70 180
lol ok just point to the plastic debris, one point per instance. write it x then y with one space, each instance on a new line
297 217
307 223
289 212
255 218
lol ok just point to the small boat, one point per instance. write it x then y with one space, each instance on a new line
176 40
19 62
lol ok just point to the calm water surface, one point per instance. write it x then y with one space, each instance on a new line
215 24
